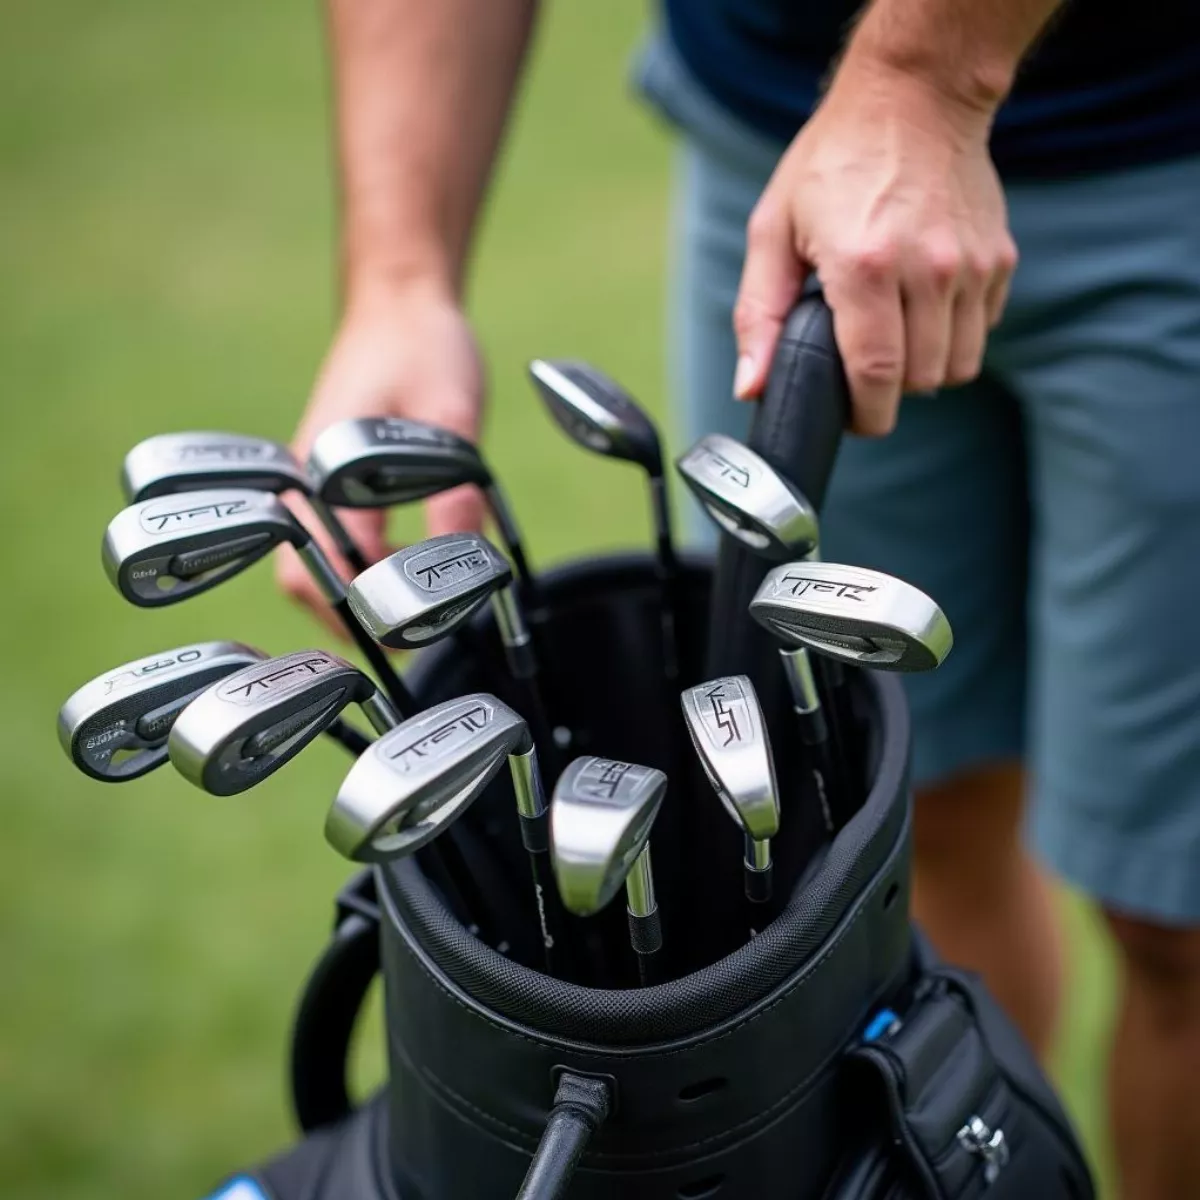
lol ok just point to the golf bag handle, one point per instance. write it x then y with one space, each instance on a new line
329 1007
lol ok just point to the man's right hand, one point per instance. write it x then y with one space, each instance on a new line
398 353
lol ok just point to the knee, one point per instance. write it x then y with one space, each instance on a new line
1162 965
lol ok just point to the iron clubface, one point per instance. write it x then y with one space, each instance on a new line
601 816
196 460
420 777
115 727
425 591
163 550
748 499
726 725
858 616
243 729
597 412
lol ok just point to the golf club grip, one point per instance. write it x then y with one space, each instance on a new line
402 699
554 936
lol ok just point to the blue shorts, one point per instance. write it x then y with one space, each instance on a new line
1052 507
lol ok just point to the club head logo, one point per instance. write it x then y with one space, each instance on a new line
277 678
429 741
398 431
706 462
724 712
445 567
144 670
172 517
189 453
794 584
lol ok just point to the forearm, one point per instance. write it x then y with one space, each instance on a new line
968 49
423 88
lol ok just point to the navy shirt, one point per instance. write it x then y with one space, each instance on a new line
1110 83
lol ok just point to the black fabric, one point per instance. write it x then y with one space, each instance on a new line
1106 87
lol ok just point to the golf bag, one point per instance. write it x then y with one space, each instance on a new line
829 1056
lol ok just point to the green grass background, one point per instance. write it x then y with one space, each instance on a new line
166 257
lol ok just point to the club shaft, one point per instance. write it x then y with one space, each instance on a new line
759 871
645 924
348 737
523 665
668 572
510 535
814 731
346 545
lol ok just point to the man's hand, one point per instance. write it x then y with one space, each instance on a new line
890 195
407 354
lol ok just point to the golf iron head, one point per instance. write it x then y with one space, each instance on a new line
377 462
420 777
601 816
748 499
244 728
163 550
862 617
597 412
115 727
427 590
727 729
196 460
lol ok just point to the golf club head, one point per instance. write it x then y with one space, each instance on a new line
375 462
726 725
164 550
187 462
597 412
420 777
858 616
600 820
423 592
748 498
115 727
247 726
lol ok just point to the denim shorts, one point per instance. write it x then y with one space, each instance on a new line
1052 507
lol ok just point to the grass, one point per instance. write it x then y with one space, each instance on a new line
166 251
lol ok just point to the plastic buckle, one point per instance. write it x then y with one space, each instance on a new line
358 897
976 1137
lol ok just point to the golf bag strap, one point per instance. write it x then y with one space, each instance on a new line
329 1007
961 1124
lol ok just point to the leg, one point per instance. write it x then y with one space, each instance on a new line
981 898
1103 348
1155 1065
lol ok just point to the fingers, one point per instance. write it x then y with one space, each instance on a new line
458 511
772 278
869 325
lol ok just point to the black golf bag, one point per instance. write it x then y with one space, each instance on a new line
830 1055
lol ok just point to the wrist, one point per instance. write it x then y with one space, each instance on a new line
969 82
385 283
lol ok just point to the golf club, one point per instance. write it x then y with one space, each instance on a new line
378 462
601 816
748 499
420 777
427 590
727 729
164 550
186 462
115 727
598 414
854 615
245 727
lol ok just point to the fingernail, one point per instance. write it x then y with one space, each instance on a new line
743 377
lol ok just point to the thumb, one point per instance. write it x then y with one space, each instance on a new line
458 511
367 528
772 278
